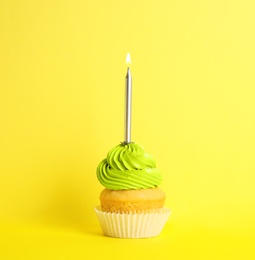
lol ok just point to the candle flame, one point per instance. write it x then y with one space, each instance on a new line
128 59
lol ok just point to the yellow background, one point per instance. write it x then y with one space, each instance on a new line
62 69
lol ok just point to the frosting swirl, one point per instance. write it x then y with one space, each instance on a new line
127 166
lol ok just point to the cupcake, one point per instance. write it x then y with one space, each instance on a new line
131 204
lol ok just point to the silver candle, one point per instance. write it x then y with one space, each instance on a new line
128 101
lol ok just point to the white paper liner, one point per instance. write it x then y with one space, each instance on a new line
133 225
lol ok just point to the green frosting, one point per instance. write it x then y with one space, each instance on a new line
127 166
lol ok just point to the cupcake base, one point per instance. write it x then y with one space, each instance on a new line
134 225
127 201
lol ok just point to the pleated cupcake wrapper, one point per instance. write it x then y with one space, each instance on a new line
133 225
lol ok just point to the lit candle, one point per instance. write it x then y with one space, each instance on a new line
128 101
